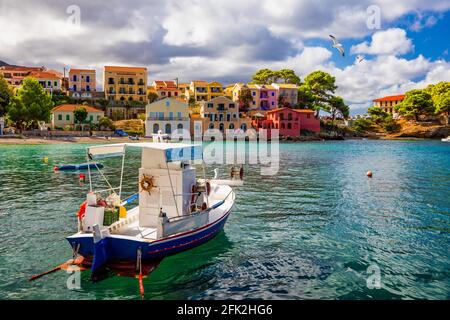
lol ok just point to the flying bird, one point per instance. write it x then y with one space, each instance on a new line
337 45
360 58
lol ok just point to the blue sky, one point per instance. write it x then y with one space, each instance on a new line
229 40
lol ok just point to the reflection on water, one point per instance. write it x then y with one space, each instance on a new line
311 231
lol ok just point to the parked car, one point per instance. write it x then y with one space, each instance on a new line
135 137
120 133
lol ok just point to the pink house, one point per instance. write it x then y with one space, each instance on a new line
268 97
290 121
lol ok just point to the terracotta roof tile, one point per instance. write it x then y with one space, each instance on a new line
73 107
391 98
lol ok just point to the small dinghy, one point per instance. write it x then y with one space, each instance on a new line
176 211
79 167
446 139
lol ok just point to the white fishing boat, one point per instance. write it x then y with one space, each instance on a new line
176 211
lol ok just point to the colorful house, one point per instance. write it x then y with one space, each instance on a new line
388 103
15 75
63 116
166 89
126 90
167 115
81 82
265 97
220 113
287 92
204 91
288 121
50 81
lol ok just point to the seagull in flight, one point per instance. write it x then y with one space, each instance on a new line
337 45
360 58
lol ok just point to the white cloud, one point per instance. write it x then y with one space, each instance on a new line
391 41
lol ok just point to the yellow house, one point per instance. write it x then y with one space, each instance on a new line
389 103
184 88
214 90
167 115
125 84
220 113
62 116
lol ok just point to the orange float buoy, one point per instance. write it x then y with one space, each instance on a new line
82 177
369 174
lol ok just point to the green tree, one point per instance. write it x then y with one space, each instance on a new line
362 125
245 98
5 95
80 115
417 102
378 115
30 105
289 76
443 105
389 124
319 86
152 97
265 76
192 102
338 108
106 123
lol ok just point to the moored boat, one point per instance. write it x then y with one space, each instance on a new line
446 139
176 211
79 167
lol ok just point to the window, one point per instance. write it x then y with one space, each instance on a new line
231 126
98 118
171 115
273 94
289 125
221 127
88 78
282 126
179 114
253 102
74 87
231 105
281 116
228 117
180 126
91 118
155 128
168 128
289 116
74 77
49 83
210 105
273 103
60 117
67 117
211 125
253 93
88 88
167 103
161 115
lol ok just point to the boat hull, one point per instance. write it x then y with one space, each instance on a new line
123 249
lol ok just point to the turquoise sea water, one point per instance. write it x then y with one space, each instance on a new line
310 232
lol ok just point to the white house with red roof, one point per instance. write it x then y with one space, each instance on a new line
388 103
63 116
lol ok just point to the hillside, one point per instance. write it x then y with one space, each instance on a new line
131 126
413 129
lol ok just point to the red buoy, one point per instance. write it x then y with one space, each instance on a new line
55 169
82 177
369 174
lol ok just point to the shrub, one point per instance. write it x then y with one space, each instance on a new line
362 125
390 125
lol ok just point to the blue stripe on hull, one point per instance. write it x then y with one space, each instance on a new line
124 249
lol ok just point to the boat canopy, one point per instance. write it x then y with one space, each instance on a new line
172 151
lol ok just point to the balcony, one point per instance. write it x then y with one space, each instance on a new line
167 119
